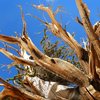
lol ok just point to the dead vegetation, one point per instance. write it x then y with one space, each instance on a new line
87 80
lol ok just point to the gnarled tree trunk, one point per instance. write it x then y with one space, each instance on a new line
87 80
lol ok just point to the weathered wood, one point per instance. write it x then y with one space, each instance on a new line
17 93
60 67
67 37
89 60
88 27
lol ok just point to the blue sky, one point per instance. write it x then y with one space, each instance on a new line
10 21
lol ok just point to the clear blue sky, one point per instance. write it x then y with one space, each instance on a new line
10 21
